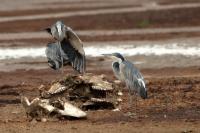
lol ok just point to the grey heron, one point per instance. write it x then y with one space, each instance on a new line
70 48
125 71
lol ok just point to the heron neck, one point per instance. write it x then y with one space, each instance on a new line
120 60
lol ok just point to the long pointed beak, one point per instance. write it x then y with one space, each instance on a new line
107 54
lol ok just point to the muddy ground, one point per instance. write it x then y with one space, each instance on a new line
173 103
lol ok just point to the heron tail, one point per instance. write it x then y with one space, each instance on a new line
142 90
143 93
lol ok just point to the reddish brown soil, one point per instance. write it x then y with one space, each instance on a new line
165 2
56 10
147 19
173 104
171 99
159 36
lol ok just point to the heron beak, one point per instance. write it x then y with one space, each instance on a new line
48 30
111 56
107 54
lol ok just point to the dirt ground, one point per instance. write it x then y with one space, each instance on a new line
173 103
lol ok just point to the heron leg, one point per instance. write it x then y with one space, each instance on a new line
62 64
135 102
61 58
130 99
132 114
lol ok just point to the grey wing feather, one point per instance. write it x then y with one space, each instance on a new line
75 40
52 51
76 59
133 78
53 55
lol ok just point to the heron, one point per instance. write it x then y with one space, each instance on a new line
126 72
68 48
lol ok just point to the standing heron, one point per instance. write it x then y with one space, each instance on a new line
69 48
125 71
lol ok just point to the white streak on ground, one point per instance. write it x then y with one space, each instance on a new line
94 51
10 53
158 50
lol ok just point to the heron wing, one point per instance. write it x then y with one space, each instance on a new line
133 78
76 59
53 55
75 41
52 52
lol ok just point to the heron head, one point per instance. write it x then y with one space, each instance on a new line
57 30
60 27
115 56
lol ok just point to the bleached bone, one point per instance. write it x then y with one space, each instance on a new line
29 106
56 88
36 104
82 91
119 93
70 110
46 105
100 100
98 83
